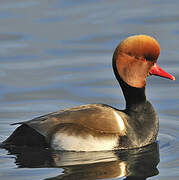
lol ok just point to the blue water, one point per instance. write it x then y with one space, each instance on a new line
57 54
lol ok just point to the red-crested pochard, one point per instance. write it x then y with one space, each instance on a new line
99 127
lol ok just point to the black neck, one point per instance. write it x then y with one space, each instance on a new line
134 96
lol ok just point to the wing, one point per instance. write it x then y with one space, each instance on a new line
97 117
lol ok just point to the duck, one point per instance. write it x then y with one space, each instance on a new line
101 127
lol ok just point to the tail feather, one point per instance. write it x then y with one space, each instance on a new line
25 136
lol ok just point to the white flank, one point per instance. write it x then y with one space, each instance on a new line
62 141
119 121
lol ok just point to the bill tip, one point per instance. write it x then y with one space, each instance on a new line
173 78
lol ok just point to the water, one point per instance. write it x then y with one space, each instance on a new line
57 54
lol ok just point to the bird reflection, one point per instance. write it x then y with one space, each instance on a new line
136 164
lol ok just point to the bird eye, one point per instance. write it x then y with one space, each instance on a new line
144 59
